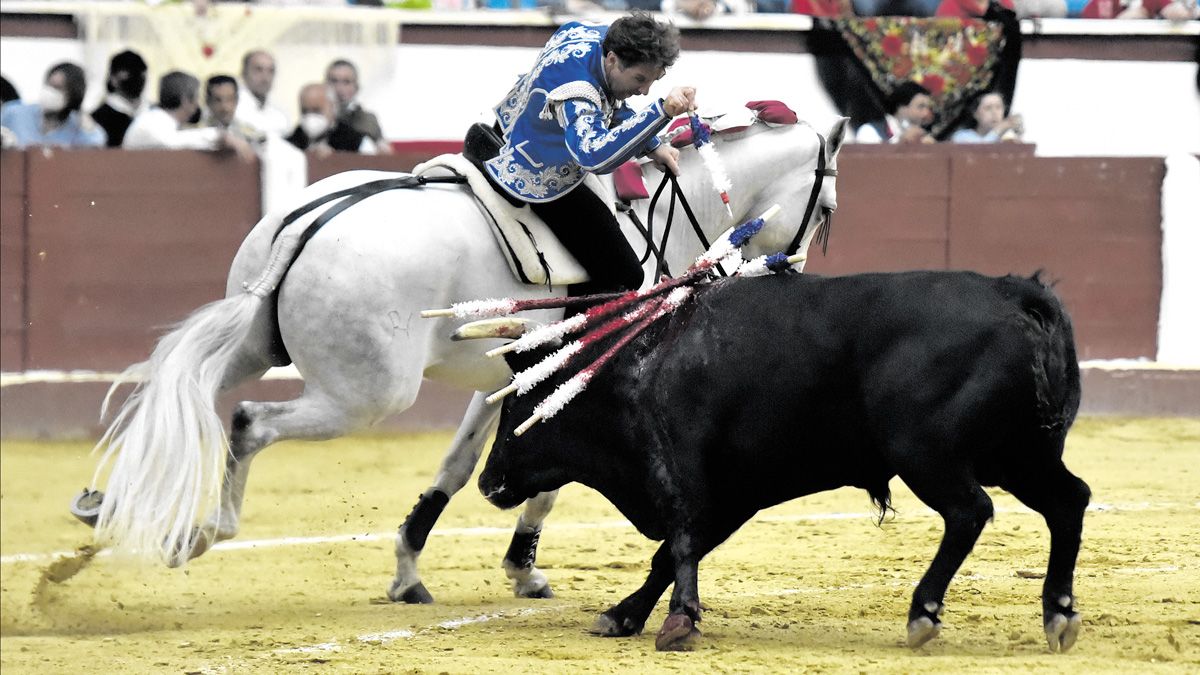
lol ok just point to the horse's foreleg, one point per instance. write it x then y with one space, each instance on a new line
457 465
527 580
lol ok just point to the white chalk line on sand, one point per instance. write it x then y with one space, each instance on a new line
453 624
13 378
568 527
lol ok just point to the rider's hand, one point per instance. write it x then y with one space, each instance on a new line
666 157
679 101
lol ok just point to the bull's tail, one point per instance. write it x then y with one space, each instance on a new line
1055 364
165 450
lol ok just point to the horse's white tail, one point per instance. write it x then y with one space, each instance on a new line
167 445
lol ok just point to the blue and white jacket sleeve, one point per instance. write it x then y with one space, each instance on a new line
599 149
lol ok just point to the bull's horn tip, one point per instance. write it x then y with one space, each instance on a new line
431 313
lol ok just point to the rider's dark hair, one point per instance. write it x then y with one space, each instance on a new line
176 87
640 38
903 94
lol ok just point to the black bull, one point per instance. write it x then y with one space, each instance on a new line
766 389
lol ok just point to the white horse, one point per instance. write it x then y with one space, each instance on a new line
347 308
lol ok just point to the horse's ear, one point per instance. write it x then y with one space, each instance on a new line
837 134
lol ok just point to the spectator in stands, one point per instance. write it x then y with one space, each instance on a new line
56 118
221 102
825 8
320 130
125 84
991 126
969 9
7 91
253 110
909 108
699 10
342 78
1174 10
919 8
178 104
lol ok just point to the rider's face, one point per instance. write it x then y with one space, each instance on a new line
625 81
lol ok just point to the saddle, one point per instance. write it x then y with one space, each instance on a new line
533 252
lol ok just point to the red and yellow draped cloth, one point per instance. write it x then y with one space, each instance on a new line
955 59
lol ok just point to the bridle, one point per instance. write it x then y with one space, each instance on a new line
659 251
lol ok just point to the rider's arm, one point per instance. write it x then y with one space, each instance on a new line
599 149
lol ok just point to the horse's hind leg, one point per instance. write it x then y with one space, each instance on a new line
255 426
457 465
1061 498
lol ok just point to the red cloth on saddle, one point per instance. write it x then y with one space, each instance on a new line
629 183
773 112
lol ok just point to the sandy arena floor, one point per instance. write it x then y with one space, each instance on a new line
810 586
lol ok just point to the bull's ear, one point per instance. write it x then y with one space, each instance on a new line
837 134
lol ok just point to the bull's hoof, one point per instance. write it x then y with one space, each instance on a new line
608 625
677 634
1062 631
413 595
86 506
922 630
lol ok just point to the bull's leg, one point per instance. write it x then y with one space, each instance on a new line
1061 498
457 465
965 508
528 581
684 609
628 617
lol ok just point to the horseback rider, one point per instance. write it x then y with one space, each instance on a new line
566 118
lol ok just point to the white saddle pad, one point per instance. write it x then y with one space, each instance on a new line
522 236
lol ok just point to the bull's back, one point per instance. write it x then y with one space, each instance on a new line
816 382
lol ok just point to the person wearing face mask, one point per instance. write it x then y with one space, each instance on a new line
566 118
126 82
319 129
162 125
55 119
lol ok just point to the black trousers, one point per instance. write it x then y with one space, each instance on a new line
581 221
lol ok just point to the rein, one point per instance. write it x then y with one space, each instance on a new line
659 251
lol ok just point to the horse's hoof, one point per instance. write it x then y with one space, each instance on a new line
414 595
1062 631
86 506
541 593
676 634
922 630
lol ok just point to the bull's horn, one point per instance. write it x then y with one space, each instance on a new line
771 212
500 327
433 313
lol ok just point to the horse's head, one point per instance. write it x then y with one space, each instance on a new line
792 165
799 165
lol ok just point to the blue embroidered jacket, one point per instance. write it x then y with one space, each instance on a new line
560 122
